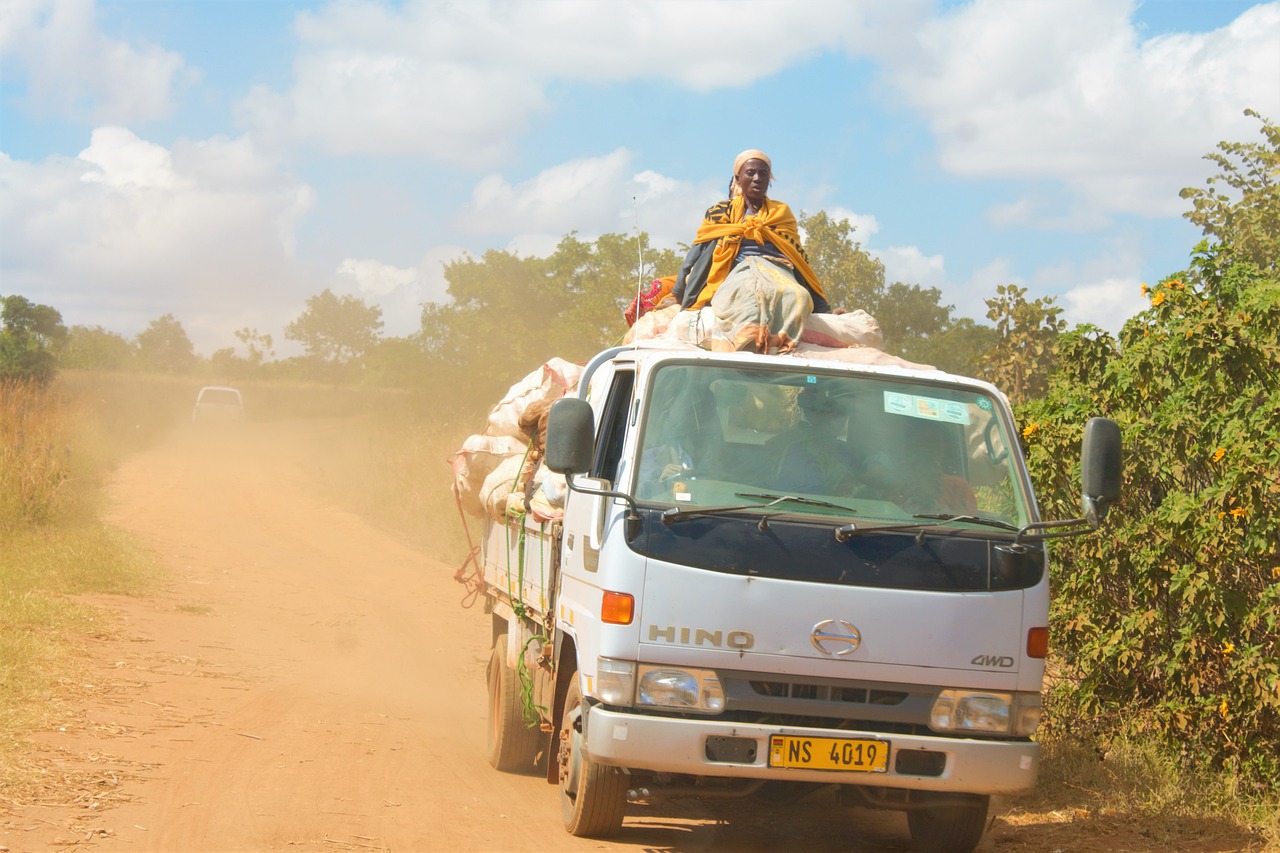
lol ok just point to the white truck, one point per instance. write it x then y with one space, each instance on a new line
775 574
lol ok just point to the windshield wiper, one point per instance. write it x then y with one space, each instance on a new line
971 519
845 532
675 513
773 499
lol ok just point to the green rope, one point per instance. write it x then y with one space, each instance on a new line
528 707
531 711
517 605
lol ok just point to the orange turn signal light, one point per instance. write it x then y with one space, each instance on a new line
617 608
1038 643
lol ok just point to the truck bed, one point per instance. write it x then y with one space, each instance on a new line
518 563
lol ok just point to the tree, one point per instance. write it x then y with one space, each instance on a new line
914 322
336 330
28 334
1249 222
850 277
1025 349
959 347
258 346
164 346
508 314
1167 625
1170 619
95 348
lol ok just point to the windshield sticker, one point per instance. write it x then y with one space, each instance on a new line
927 408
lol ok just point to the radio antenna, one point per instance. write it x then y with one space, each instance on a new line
635 207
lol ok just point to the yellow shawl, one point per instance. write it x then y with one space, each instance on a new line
774 223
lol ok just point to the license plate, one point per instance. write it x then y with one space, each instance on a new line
829 753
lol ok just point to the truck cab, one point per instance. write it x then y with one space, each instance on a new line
779 570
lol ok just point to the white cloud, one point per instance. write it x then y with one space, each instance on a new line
401 292
590 196
1106 304
432 284
74 70
864 224
1104 291
129 231
970 296
460 81
909 265
1068 90
1035 211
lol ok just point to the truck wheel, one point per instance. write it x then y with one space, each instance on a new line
513 743
592 796
955 827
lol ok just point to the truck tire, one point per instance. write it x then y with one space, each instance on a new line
592 797
513 743
953 827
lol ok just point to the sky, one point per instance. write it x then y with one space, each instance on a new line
224 160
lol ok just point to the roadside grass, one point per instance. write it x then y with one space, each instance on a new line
56 447
44 630
1131 778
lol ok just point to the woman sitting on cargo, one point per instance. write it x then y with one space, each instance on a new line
747 264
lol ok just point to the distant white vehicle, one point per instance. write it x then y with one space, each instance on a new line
217 403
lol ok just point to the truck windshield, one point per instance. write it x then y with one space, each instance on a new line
873 447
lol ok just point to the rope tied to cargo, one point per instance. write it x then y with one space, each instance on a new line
518 515
474 582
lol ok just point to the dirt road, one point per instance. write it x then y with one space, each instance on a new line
305 681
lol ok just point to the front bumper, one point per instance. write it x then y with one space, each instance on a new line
675 745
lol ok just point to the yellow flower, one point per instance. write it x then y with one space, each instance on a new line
1228 647
1275 573
1239 512
1222 709
1145 289
1219 453
1157 298
1030 430
1176 285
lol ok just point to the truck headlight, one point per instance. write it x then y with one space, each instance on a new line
983 712
680 689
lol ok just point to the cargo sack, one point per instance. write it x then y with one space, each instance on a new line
551 381
851 329
472 464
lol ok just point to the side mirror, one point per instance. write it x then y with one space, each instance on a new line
571 435
1101 468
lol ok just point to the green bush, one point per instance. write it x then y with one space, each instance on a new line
1166 622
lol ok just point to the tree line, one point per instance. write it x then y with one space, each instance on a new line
506 314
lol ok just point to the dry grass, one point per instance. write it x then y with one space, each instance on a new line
33 458
57 445
1131 780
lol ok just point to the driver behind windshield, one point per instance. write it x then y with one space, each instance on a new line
816 458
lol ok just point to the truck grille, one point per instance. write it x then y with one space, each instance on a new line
829 693
831 703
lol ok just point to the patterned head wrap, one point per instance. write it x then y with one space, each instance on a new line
749 154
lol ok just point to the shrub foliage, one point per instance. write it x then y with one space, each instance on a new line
1168 621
